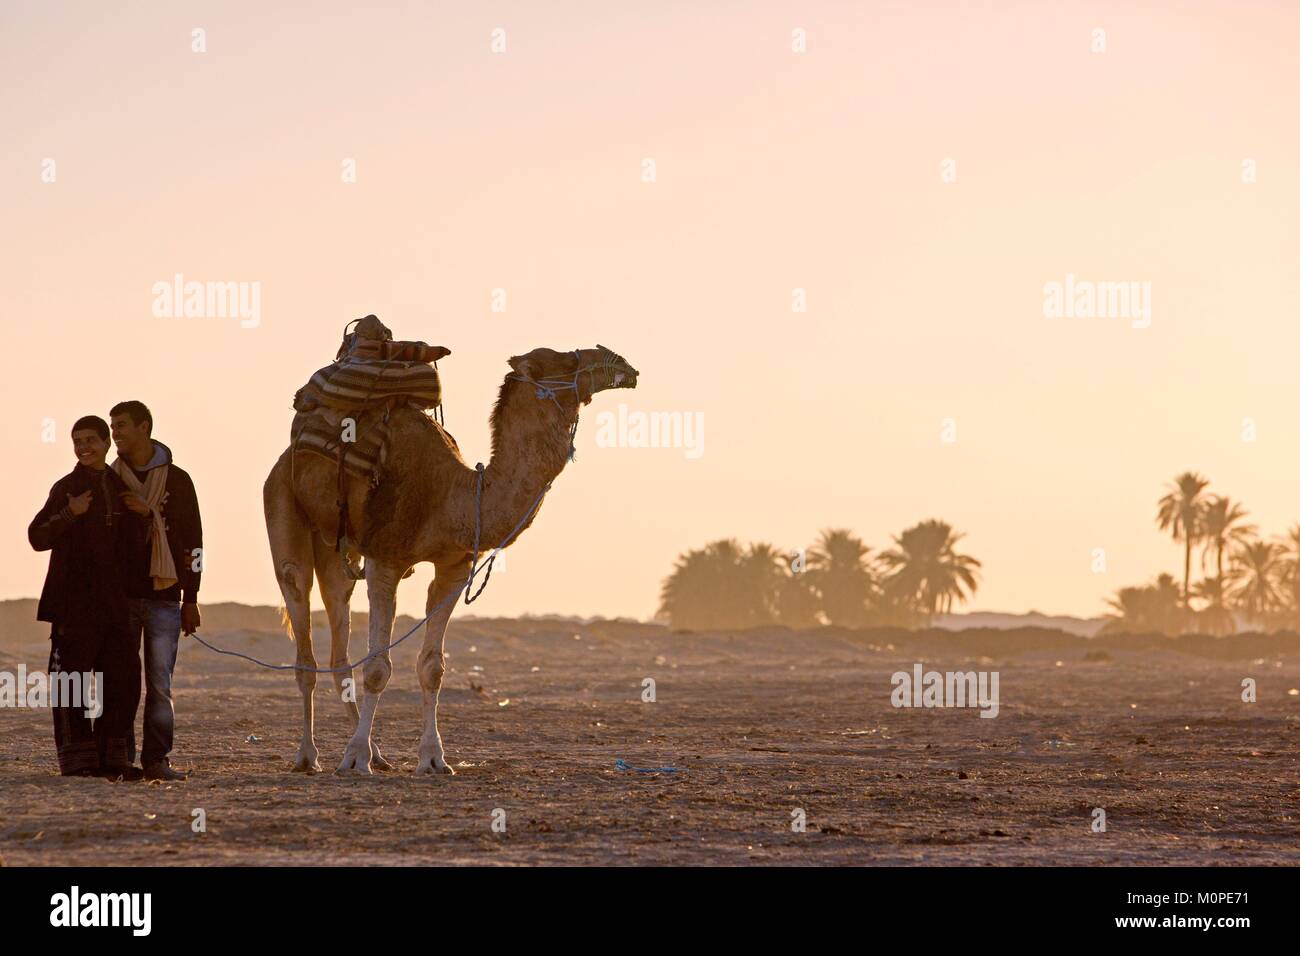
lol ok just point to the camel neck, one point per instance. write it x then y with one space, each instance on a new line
507 500
530 447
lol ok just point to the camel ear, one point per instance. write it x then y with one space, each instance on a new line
522 365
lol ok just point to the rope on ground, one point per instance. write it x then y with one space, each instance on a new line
545 389
419 624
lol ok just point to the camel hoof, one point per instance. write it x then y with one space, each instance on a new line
306 765
346 769
429 769
354 761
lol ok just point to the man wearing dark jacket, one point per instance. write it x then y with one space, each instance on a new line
162 574
89 534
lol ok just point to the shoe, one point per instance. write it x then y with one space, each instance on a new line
127 773
161 771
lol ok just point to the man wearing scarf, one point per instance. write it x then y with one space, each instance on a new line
163 575
90 535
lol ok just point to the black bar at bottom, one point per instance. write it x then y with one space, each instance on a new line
997 904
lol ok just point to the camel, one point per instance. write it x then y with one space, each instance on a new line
424 509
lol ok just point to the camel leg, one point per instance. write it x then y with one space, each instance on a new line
432 661
381 586
290 537
336 591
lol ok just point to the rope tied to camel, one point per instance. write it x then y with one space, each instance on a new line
452 597
545 389
549 387
478 528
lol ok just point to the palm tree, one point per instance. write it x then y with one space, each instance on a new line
1153 607
1290 572
798 602
1180 515
839 568
1129 612
723 586
1216 617
763 570
705 590
1167 614
1221 527
1258 566
926 572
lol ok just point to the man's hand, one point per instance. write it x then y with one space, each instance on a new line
80 504
190 620
135 503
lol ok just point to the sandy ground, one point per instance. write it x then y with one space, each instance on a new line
758 724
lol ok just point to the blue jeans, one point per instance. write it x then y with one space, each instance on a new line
161 623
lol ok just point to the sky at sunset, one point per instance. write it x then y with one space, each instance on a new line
1171 157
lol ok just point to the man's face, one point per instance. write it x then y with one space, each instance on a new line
89 448
127 435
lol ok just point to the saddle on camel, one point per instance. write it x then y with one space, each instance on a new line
343 411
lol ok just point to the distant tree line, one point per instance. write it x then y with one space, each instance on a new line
1254 579
725 585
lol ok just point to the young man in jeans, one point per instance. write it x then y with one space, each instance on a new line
162 577
89 533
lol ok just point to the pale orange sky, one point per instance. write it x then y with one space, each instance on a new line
522 170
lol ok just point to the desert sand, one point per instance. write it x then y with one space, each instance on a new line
759 724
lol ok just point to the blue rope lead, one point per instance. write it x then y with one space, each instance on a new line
545 389
418 624
621 764
478 527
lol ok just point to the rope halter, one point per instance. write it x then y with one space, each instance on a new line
607 362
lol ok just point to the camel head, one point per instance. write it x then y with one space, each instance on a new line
591 370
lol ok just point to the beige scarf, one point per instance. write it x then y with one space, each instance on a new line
154 489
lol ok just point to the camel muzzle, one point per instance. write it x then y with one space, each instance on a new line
617 372
621 379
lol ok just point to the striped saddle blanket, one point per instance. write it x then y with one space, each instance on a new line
357 385
360 437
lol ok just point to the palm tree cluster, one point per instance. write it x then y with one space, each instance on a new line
1254 579
839 581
